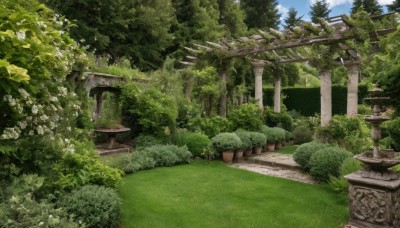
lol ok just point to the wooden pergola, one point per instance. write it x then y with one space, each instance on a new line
290 46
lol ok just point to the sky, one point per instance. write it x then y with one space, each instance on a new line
337 7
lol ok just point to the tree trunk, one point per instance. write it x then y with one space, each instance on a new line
277 95
326 98
222 98
258 68
352 89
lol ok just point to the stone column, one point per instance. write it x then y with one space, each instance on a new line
99 101
326 97
222 98
258 68
277 95
352 89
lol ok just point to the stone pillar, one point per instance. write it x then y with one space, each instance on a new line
326 97
99 101
277 95
222 98
258 68
352 89
373 203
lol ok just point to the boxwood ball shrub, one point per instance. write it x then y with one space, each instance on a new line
302 134
96 206
280 133
303 153
288 135
198 144
282 119
247 116
210 126
269 133
257 139
244 137
226 142
327 162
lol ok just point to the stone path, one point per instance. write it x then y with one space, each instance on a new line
275 164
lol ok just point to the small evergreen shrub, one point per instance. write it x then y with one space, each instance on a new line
210 126
96 206
326 162
303 153
282 119
198 144
288 135
280 133
226 141
146 140
247 116
257 139
340 184
244 138
270 134
302 134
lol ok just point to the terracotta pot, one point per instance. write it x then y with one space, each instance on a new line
271 146
238 155
248 152
257 150
283 143
227 156
278 146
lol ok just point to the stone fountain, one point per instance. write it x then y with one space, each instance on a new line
374 191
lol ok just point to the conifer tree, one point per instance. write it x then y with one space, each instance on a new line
319 9
261 13
292 19
371 6
395 6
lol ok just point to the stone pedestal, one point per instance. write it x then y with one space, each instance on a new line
373 203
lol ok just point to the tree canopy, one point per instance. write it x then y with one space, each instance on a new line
371 6
261 13
292 19
319 9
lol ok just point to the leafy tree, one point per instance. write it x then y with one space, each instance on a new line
319 9
292 19
395 6
261 13
371 6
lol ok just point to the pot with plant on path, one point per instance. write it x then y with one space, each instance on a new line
246 143
226 143
271 136
257 140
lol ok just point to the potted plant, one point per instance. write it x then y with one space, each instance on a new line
246 143
271 135
288 136
257 140
226 143
280 134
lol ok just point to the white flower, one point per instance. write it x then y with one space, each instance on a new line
40 130
12 101
21 35
54 99
41 24
23 93
63 91
35 109
68 129
41 223
44 118
30 132
22 124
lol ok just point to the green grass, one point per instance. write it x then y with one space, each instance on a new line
211 194
288 149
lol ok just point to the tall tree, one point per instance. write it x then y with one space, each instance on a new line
292 19
395 6
261 13
371 6
232 17
319 9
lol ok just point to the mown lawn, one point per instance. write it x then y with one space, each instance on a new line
211 194
287 149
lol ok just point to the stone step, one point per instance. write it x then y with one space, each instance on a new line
274 160
104 151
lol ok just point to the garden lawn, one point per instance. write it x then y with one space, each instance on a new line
287 150
211 194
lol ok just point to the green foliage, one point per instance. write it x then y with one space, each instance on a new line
122 162
282 119
320 9
257 139
160 155
311 122
246 116
394 132
198 144
226 142
206 88
270 133
144 140
245 138
288 135
305 151
262 14
339 183
372 7
96 206
280 133
326 162
292 19
110 116
210 126
302 134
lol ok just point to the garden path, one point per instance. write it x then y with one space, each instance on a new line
277 165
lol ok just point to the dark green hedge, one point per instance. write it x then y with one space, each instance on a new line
307 100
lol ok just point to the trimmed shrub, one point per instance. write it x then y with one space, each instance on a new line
210 126
326 162
273 135
340 184
145 140
244 138
303 153
288 135
280 133
226 141
246 116
257 139
302 134
96 206
198 144
282 119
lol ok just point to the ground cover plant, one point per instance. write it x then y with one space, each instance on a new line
288 149
210 194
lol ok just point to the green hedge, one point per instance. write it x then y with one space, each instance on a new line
307 100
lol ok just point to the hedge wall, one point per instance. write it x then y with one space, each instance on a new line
307 100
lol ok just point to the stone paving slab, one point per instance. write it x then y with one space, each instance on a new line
291 174
275 160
